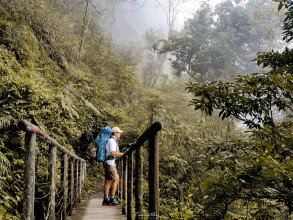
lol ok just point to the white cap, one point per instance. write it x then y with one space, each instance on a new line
116 129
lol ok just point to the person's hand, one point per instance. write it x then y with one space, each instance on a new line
125 153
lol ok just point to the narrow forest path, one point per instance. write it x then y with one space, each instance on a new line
94 210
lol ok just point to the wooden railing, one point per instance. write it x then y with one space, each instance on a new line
68 184
130 187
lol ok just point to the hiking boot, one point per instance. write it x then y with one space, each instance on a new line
114 201
106 201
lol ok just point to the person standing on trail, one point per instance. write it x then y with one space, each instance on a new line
111 174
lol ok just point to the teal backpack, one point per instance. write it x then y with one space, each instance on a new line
101 142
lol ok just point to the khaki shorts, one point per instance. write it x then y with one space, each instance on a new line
110 172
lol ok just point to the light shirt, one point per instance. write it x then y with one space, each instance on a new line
112 146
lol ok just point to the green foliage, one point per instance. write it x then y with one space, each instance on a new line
251 99
10 184
287 25
255 172
220 43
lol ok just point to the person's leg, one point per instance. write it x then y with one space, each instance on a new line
113 200
114 187
107 188
107 185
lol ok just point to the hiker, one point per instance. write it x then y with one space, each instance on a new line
111 174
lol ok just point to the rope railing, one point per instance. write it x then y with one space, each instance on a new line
131 183
65 185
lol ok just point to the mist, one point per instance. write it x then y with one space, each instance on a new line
126 21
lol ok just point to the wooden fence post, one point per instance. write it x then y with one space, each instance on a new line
130 186
124 192
29 181
153 177
76 183
120 172
80 180
84 173
138 183
64 182
71 186
52 174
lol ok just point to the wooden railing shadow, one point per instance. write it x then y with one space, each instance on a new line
71 177
130 187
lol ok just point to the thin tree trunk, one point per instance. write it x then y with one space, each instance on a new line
84 27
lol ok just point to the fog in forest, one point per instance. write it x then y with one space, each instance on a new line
237 29
128 21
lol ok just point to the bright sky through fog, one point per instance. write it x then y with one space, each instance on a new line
131 23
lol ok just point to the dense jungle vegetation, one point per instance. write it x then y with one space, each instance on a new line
226 146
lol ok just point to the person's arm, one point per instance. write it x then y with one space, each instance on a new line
113 148
117 154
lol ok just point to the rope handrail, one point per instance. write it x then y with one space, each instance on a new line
73 170
125 167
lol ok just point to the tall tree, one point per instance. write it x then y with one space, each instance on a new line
170 8
219 44
152 68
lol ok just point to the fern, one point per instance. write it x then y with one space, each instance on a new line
5 121
92 107
4 168
68 106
